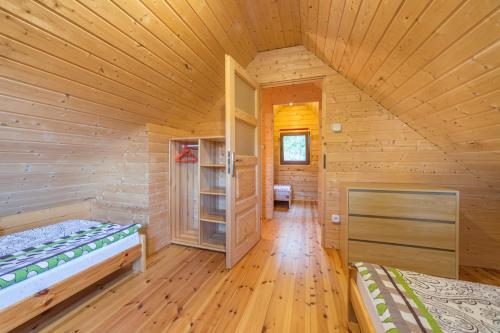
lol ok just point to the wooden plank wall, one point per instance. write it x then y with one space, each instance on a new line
54 150
158 231
303 178
76 75
122 195
376 146
131 181
79 81
137 191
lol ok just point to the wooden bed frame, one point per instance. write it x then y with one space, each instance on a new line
356 301
30 307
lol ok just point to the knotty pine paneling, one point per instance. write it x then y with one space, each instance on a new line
303 178
55 154
137 190
79 81
433 63
272 24
376 146
122 196
90 73
158 230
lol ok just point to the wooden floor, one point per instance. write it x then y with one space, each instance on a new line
287 283
481 275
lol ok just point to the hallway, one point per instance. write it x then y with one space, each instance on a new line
285 284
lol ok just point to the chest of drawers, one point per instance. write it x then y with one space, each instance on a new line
405 226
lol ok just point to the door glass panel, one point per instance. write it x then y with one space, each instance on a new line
244 96
245 138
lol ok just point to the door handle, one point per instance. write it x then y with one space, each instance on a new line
230 163
234 162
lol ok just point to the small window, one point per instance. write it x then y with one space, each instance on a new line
294 148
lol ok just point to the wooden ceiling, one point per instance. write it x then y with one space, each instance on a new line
433 63
158 61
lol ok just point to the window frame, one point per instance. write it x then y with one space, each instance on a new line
307 135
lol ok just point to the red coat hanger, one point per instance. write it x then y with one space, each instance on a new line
186 155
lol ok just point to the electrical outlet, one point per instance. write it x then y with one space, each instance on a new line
335 218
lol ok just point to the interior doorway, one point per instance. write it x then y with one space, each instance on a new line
292 154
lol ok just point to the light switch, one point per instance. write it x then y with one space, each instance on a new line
337 127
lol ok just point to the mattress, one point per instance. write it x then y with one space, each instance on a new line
26 288
282 188
282 192
403 301
28 254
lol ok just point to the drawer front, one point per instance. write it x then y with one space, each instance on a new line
414 205
433 262
410 232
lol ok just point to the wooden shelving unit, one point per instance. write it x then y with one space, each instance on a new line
203 226
184 193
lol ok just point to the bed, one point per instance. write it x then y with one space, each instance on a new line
283 192
41 267
386 299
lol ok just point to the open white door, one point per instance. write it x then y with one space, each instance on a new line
243 148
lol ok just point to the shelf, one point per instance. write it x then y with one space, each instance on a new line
213 218
213 246
214 191
213 235
206 246
213 166
212 152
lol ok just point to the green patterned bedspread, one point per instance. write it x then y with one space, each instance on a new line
413 302
51 246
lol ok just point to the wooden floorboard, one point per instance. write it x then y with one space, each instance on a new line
287 283
481 275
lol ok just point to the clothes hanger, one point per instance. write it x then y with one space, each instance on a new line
186 155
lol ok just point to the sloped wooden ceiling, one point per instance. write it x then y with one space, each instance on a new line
157 61
433 63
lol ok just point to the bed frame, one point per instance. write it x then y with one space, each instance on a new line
356 303
30 307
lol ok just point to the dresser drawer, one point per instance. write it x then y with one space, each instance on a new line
415 205
404 232
433 262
